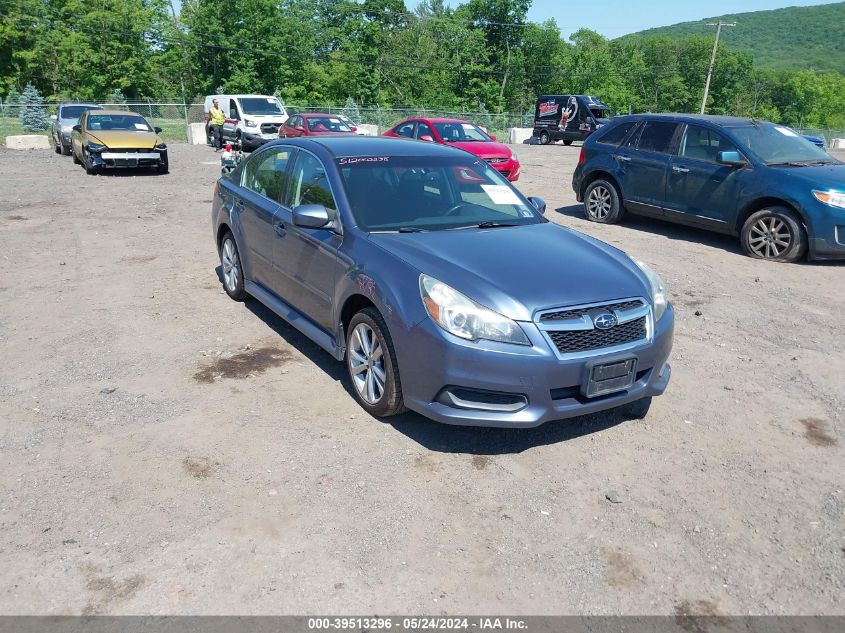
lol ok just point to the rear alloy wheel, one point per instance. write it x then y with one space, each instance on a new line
774 234
371 363
233 274
545 139
602 203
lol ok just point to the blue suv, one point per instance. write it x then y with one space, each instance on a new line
783 196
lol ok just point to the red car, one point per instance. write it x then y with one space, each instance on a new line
313 124
464 135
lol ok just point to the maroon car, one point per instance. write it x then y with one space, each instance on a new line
313 124
466 136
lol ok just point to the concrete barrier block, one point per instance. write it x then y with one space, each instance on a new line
196 134
371 130
28 141
837 143
518 135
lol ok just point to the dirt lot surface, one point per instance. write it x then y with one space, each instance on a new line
166 450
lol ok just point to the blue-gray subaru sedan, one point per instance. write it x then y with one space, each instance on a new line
444 289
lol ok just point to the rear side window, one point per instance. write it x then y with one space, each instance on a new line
655 136
267 173
616 134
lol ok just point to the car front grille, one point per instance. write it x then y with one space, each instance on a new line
269 128
573 341
493 161
572 331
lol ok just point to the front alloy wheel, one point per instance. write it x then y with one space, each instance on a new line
371 363
774 234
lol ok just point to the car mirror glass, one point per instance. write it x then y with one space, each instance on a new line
731 158
538 203
427 138
310 216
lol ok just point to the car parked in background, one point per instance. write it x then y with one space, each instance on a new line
61 124
442 287
463 135
313 124
251 120
108 139
818 141
783 196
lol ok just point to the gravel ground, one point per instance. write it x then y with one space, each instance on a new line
165 450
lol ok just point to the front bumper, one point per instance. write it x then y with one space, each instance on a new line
826 231
112 159
510 168
552 388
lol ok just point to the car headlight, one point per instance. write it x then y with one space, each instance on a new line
831 198
659 294
463 317
95 147
513 156
250 123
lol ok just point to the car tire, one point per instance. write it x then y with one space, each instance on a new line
775 234
233 270
567 142
209 137
57 147
637 410
66 151
76 161
90 169
602 202
371 365
545 138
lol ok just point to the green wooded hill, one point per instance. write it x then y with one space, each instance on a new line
793 38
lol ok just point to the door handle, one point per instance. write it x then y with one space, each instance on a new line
624 159
279 228
680 170
239 206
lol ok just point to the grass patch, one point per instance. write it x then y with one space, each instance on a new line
10 126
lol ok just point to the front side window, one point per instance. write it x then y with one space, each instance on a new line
424 193
309 184
123 122
702 143
655 136
266 173
406 129
424 130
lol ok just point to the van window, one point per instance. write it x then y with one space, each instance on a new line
655 136
233 112
617 133
266 173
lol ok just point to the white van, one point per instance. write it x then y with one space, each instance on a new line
251 119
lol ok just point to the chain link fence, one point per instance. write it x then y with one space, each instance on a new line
173 118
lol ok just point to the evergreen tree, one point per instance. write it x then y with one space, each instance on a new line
13 99
33 114
351 110
117 96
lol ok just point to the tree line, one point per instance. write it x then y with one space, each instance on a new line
482 55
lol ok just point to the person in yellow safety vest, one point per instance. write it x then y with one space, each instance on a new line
218 118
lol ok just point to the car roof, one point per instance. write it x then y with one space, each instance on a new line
93 106
317 114
713 119
116 111
354 145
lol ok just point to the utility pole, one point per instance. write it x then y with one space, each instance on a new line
718 26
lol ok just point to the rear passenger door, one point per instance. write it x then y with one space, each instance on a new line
643 162
306 257
263 187
700 191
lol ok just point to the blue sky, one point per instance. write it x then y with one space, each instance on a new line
613 18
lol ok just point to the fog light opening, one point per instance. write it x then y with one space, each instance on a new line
482 400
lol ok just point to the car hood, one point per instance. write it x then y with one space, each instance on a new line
819 176
517 271
124 139
486 150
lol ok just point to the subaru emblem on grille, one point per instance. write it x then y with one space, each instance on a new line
605 321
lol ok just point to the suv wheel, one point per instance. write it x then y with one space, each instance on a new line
602 202
545 139
371 363
775 234
568 142
233 272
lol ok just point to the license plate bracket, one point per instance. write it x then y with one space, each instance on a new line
611 377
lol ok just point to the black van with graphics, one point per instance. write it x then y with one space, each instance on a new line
568 118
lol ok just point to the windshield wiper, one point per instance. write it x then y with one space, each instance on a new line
494 225
410 229
791 163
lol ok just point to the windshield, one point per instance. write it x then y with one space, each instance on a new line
261 105
130 122
778 145
75 111
460 133
601 113
402 193
327 124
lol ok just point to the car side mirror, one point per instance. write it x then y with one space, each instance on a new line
299 128
538 203
77 128
427 138
53 117
493 136
732 159
310 216
157 130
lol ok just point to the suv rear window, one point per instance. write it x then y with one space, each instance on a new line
655 136
616 133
